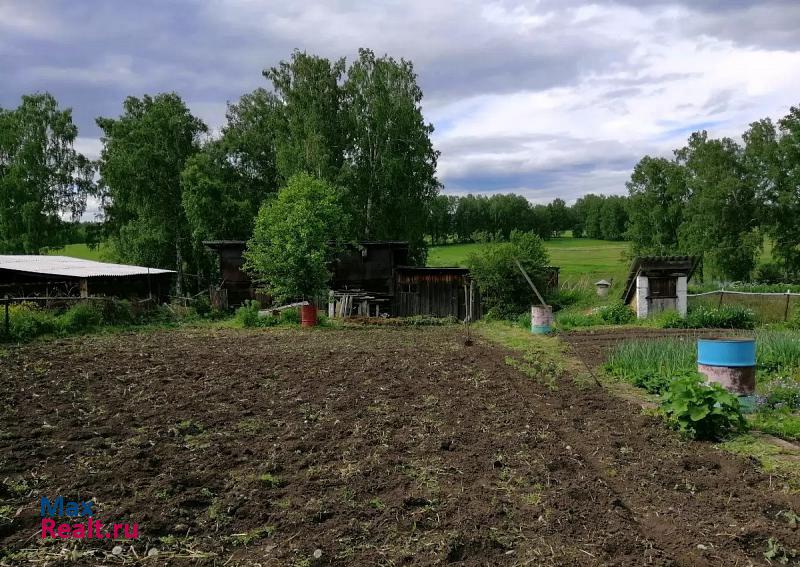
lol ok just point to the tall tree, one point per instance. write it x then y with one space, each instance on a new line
391 163
291 245
773 158
720 221
559 215
42 177
309 135
226 182
144 152
658 196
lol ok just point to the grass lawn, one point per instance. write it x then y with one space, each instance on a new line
581 260
99 254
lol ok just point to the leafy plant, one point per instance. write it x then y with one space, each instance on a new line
725 317
247 314
616 314
700 410
780 393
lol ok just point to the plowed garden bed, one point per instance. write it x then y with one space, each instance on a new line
375 446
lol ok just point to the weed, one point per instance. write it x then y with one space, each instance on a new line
377 504
271 481
253 535
778 552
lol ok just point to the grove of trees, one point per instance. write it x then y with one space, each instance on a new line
719 199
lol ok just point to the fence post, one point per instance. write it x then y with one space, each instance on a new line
7 320
786 310
721 295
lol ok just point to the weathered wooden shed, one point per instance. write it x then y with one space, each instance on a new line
436 292
63 276
235 285
659 283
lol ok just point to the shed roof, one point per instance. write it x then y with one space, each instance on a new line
72 267
661 266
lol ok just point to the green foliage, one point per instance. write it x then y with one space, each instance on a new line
568 319
669 319
390 173
291 246
617 313
144 152
647 362
778 351
80 317
601 217
524 320
725 317
41 175
781 423
702 411
503 288
247 315
794 322
27 321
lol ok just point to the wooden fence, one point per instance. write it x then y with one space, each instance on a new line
768 307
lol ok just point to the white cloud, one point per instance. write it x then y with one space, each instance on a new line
543 97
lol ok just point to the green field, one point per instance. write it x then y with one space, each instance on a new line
100 253
582 261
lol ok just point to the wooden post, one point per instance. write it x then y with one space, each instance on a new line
7 319
721 295
84 284
786 311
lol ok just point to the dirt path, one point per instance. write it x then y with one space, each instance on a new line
375 446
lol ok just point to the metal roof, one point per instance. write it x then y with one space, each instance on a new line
73 267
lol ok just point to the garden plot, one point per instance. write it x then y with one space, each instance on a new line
373 446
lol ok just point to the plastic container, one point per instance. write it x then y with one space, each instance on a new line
541 319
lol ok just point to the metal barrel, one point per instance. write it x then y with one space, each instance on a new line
731 362
308 315
541 319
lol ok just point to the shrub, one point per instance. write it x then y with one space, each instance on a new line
80 317
794 322
616 314
770 273
725 317
700 410
504 291
570 319
524 321
290 315
118 312
669 320
564 298
247 314
27 321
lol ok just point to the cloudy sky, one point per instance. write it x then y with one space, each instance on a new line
544 98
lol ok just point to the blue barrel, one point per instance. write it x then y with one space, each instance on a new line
731 352
730 362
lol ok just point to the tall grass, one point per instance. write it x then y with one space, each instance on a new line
653 356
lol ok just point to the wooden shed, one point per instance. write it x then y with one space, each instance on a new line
235 285
63 276
659 283
436 292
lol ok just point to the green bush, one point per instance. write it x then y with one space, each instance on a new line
27 321
794 322
700 410
616 314
118 312
524 321
504 291
669 319
291 316
247 314
725 317
80 317
570 319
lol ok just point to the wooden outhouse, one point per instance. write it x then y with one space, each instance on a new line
659 283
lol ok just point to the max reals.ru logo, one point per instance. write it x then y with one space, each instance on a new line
81 524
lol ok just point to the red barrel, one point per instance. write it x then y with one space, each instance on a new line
308 316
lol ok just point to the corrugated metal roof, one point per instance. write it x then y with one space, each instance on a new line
73 267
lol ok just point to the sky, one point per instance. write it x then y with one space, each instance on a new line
542 98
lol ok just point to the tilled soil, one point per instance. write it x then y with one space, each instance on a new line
372 446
